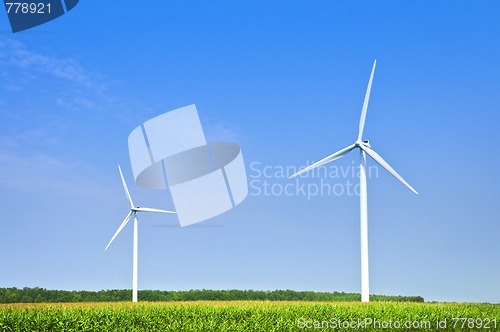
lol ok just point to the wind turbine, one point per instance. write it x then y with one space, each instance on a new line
365 149
133 214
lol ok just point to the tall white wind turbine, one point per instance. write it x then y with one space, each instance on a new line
365 149
133 214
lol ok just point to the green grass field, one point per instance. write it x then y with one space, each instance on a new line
249 316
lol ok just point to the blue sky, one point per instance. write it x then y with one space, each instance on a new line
286 81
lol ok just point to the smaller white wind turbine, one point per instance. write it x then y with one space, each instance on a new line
133 213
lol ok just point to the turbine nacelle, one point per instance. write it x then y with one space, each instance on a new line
365 143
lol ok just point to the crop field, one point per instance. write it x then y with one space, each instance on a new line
249 316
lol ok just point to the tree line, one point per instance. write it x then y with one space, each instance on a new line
42 295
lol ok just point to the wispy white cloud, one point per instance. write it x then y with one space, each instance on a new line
30 134
15 53
22 67
30 137
80 89
12 87
78 102
48 175
217 130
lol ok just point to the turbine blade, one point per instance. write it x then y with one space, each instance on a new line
125 187
365 104
326 160
143 209
124 222
385 165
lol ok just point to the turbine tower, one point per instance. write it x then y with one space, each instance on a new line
364 149
133 214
